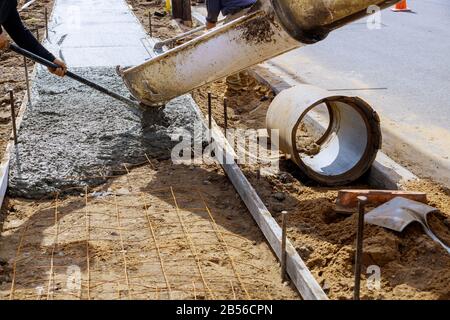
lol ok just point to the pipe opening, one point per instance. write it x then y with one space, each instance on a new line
340 146
333 139
309 135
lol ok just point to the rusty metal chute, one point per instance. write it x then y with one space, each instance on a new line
269 29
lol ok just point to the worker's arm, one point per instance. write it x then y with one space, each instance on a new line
25 39
213 7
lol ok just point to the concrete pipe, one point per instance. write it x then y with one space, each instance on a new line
348 147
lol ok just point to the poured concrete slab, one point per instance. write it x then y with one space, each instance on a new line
72 136
96 33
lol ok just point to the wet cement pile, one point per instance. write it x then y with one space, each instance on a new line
73 135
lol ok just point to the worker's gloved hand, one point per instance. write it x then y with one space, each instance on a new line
4 41
210 25
61 71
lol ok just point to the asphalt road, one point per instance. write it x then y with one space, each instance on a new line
402 69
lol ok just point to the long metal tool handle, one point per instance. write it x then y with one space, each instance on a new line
74 76
161 44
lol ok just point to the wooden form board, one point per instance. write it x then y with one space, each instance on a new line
299 273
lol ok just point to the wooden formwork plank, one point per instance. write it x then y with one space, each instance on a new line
299 273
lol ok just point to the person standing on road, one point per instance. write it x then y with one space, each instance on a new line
13 25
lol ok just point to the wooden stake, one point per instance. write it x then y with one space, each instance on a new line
283 245
186 13
150 32
13 115
27 80
225 114
46 22
359 246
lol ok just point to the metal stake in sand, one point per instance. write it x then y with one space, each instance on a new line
283 245
359 246
209 115
27 80
225 114
13 115
46 22
150 32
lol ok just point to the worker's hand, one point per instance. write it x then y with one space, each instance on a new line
210 25
4 41
61 71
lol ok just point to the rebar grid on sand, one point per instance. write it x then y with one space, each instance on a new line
128 246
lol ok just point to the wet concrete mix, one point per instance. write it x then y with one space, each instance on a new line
72 135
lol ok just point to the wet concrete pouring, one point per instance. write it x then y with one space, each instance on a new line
88 134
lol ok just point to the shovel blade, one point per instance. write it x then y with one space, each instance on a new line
398 213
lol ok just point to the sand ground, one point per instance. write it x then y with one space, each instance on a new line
165 231
158 232
411 265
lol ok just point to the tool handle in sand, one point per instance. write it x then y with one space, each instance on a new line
72 75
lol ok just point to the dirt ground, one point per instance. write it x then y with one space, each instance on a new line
162 24
12 74
115 239
412 266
